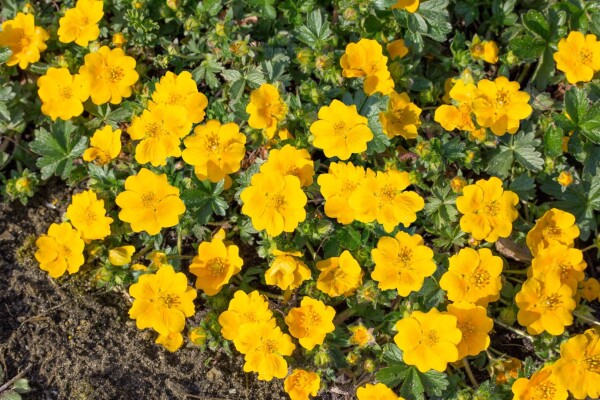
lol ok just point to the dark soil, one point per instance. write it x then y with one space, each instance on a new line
81 344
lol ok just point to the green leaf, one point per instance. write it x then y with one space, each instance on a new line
435 14
553 141
525 153
10 395
5 54
584 117
266 8
500 164
523 186
591 164
440 207
39 68
205 200
58 148
576 104
544 69
349 238
537 24
527 48
207 71
316 32
21 386
413 383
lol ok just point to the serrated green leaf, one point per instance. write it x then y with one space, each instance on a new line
553 141
58 148
435 13
525 153
39 68
527 48
348 238
316 32
537 24
523 186
266 8
576 104
205 200
500 164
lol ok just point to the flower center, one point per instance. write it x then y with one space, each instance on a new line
348 186
431 338
552 232
269 346
585 56
502 98
480 279
310 318
66 92
115 74
90 216
174 98
405 256
466 328
551 303
399 114
216 266
277 110
66 250
169 300
478 50
492 208
593 363
301 380
149 200
339 128
277 201
251 316
388 193
545 391
212 143
25 41
154 129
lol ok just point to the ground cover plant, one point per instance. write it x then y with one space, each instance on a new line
364 199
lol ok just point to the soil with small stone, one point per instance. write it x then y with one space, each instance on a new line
79 343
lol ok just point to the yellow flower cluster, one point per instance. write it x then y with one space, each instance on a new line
250 324
267 109
162 302
340 276
547 298
80 24
286 271
353 193
105 145
576 371
25 40
366 59
310 322
486 50
498 105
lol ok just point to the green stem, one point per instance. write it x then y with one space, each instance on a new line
310 248
515 271
514 330
179 241
470 373
344 315
590 247
586 319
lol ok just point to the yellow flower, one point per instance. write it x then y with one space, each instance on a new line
543 385
361 336
121 255
60 250
243 309
172 341
578 368
215 264
365 58
560 263
264 346
301 384
382 197
457 184
484 50
110 73
88 216
488 210
105 145
340 131
428 340
286 271
149 203
458 116
409 5
397 49
274 202
180 90
578 56
310 322
266 109
162 301
291 161
159 131
473 276
215 150
591 289
80 24
119 40
545 306
501 105
376 392
402 263
340 276
555 226
401 118
336 187
475 327
25 40
62 94
198 336
565 178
